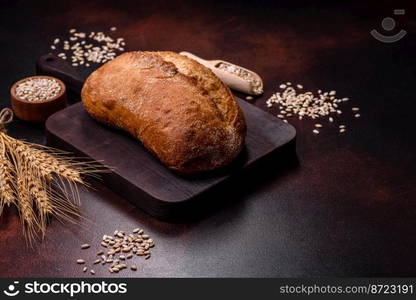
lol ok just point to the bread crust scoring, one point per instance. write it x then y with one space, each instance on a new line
176 107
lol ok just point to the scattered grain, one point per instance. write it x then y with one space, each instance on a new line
95 47
124 246
85 246
293 102
303 104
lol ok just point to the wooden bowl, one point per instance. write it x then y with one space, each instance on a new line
37 111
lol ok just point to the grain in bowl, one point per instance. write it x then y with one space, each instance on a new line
38 89
35 98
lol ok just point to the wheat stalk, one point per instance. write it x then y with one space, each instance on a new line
45 163
27 215
40 181
6 191
41 198
7 195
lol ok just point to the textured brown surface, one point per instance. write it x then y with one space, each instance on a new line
176 107
346 205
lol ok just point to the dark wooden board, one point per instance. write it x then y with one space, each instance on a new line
140 177
137 175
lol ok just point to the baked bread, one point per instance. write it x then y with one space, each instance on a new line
176 107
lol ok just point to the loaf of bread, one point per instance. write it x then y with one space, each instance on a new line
178 109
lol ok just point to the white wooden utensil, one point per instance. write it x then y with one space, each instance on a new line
234 76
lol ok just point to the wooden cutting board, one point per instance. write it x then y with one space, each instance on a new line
137 175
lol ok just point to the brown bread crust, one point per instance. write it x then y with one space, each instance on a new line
176 107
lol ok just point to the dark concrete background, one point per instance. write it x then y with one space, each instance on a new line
344 207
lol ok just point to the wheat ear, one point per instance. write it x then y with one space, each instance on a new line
42 201
25 205
6 191
40 181
7 195
45 163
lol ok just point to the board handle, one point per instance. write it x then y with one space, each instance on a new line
52 65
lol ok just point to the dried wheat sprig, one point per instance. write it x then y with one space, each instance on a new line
49 161
58 167
51 204
7 195
6 192
40 181
25 205
42 201
44 163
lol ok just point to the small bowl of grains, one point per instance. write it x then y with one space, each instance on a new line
35 98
